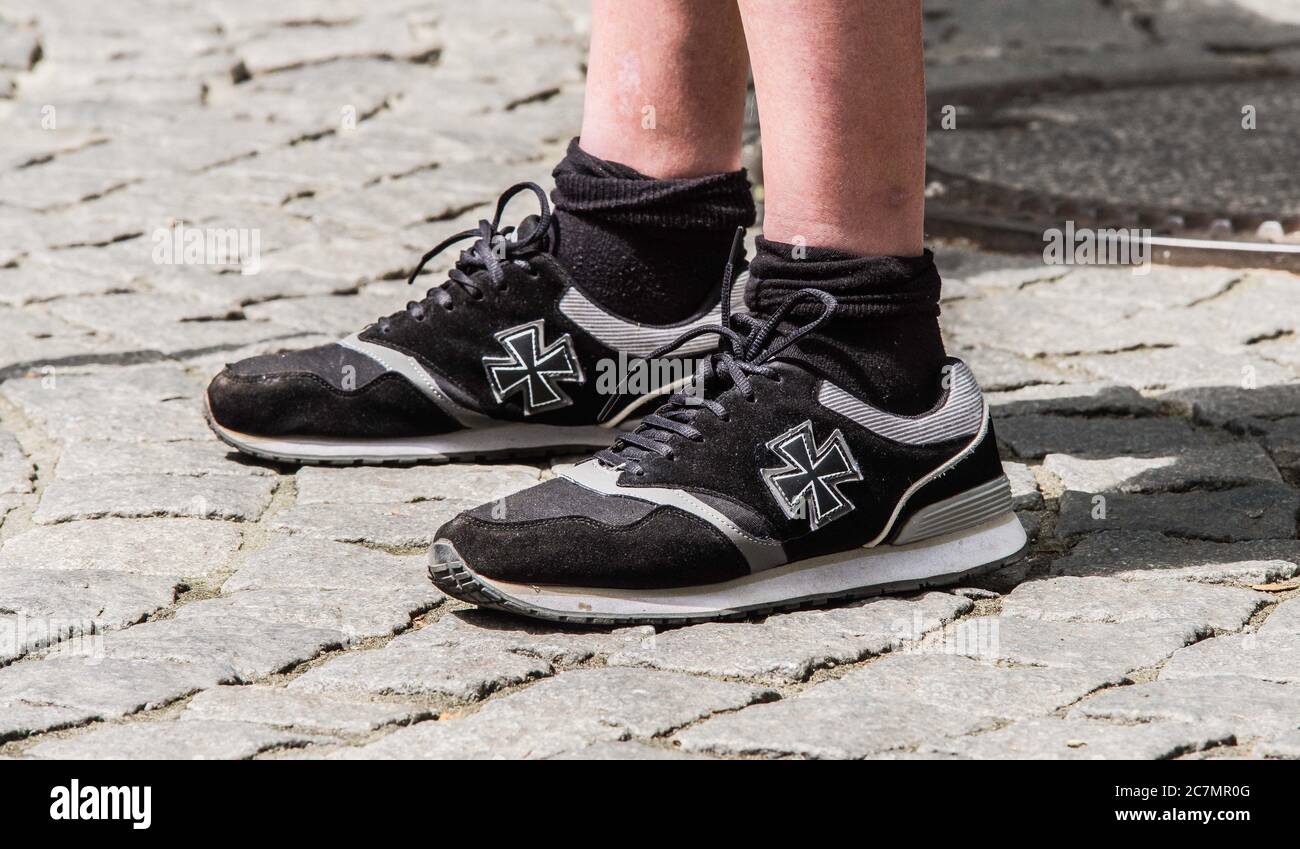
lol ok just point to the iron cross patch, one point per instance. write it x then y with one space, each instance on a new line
532 368
808 483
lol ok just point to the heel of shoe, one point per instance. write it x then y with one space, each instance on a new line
967 509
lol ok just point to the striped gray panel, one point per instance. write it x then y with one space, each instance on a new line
964 510
961 414
640 340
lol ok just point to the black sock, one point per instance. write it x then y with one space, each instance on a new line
650 250
883 344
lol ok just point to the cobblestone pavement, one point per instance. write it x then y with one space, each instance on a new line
159 597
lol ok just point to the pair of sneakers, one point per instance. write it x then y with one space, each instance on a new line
758 486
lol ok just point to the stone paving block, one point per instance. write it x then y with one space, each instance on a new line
148 495
392 525
386 37
1034 436
1283 620
170 740
1221 405
1231 464
1021 27
377 485
253 292
1070 599
1269 657
20 48
21 634
16 470
1281 438
129 404
337 315
791 646
283 708
463 656
1184 365
628 750
357 614
213 361
1272 652
296 562
85 459
34 340
1283 350
1246 513
242 649
177 323
1082 739
9 503
900 701
21 720
999 371
33 283
185 547
108 686
1285 746
1107 651
1134 555
973 270
107 599
1248 707
1048 329
1163 288
1071 399
1024 487
355 260
568 713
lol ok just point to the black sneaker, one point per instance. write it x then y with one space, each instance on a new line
773 489
506 358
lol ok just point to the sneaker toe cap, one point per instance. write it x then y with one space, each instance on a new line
323 391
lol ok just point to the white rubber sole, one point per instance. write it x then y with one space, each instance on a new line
508 439
860 572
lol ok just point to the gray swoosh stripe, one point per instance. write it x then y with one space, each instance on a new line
961 414
640 340
759 553
418 376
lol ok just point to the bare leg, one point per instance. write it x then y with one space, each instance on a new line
841 94
683 59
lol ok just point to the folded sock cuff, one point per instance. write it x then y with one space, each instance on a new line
588 185
865 287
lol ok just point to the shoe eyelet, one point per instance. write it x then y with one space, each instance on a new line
751 399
